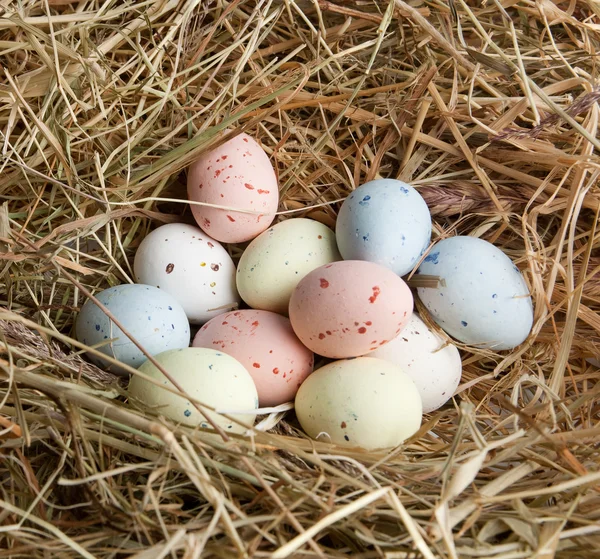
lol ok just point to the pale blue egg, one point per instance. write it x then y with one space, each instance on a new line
485 301
385 221
152 316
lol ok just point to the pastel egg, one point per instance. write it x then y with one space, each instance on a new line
239 176
211 377
385 221
485 301
153 317
266 345
274 262
434 365
194 268
363 402
349 308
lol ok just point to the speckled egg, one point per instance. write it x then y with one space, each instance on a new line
194 268
266 345
239 176
363 402
279 258
349 308
152 316
485 301
384 221
209 376
434 365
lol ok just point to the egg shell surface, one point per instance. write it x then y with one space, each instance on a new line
385 221
434 366
152 316
238 175
194 268
266 345
274 262
209 376
349 308
364 402
485 301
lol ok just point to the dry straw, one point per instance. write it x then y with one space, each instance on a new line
488 107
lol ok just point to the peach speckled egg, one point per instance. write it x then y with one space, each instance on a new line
266 345
347 309
240 176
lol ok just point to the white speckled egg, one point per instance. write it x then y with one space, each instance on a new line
194 268
236 175
279 258
485 301
433 365
363 402
385 221
153 317
211 377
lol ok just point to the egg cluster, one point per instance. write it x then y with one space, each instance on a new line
310 291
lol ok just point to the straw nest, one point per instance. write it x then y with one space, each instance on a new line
488 107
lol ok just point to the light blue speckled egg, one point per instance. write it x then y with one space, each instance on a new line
385 221
153 317
485 301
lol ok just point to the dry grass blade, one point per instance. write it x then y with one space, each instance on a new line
489 108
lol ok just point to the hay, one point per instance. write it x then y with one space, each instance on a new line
489 108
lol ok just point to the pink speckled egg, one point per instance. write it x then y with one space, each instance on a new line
347 309
266 345
240 176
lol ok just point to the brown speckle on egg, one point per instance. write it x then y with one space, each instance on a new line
256 365
169 268
230 218
362 330
214 267
323 283
321 336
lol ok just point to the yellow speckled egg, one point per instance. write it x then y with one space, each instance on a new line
363 402
279 258
212 377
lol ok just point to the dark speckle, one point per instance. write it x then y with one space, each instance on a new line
214 267
173 326
365 201
187 413
463 323
366 237
169 268
170 307
432 257
97 327
149 318
495 296
347 438
404 190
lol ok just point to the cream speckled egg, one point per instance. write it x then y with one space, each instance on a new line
210 376
238 175
279 258
364 402
194 268
152 316
266 345
434 366
349 308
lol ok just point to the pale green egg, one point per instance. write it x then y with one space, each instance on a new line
209 376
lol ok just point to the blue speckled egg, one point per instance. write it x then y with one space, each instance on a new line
485 301
385 221
153 317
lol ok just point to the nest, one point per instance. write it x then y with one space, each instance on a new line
488 107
